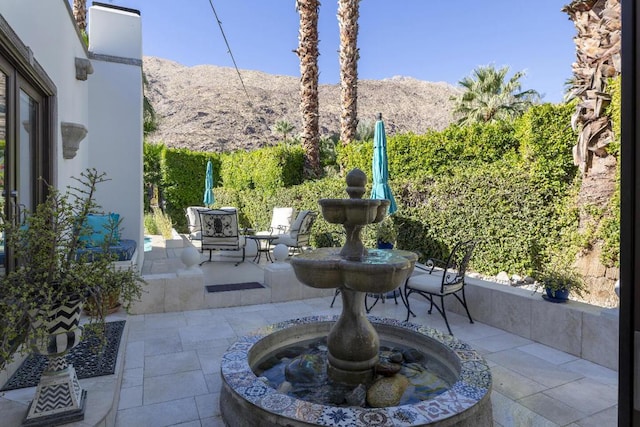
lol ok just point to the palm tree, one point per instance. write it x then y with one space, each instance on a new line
283 127
348 11
309 107
488 96
80 14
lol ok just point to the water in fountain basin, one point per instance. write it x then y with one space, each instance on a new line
308 379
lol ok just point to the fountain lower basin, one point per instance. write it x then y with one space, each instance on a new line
245 400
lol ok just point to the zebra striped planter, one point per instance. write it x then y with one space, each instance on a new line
59 398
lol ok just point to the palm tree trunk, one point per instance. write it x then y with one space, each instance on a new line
598 45
80 13
348 11
308 53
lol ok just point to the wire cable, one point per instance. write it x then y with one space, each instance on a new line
229 51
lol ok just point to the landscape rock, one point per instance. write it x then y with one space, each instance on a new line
357 397
412 355
304 369
387 391
387 368
503 277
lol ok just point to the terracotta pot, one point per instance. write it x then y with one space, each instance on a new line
110 304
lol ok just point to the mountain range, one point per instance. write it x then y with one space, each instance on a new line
209 108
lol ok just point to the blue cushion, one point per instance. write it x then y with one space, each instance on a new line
98 226
124 250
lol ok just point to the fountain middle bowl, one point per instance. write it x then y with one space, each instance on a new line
325 268
353 211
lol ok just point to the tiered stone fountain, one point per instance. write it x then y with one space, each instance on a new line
353 340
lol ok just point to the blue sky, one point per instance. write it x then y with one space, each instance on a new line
433 40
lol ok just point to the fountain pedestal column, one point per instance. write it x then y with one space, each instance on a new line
353 342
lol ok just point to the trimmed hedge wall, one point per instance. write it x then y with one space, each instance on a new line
183 181
267 169
435 153
499 204
508 184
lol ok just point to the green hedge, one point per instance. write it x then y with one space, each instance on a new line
183 181
435 153
500 204
609 230
180 174
546 141
267 169
508 184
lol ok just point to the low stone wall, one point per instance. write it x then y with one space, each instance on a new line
185 290
583 330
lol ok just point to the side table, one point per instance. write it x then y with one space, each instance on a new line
267 239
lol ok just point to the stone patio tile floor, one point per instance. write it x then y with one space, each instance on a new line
171 373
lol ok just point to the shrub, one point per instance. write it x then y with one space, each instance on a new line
158 222
546 141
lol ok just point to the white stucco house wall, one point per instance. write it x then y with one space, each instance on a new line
98 89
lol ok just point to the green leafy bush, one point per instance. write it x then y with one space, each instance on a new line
546 141
509 184
267 169
183 180
435 153
499 204
152 173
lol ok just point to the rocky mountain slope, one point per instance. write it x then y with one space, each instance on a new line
205 108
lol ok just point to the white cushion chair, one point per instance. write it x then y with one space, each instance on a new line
280 222
193 221
449 280
299 233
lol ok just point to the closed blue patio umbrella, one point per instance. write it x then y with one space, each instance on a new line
208 198
381 189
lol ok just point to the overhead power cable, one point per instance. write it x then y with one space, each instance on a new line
229 51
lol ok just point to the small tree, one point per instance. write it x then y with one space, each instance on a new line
285 128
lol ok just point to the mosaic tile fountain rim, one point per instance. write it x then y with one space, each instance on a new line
473 385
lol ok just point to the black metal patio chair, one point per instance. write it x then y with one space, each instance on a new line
220 232
448 279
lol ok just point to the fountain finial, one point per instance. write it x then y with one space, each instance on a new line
356 182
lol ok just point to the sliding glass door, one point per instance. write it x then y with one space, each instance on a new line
23 156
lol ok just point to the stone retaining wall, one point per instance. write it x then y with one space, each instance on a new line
586 331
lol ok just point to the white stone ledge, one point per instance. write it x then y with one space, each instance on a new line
587 331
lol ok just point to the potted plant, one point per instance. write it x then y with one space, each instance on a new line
43 294
386 234
558 279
